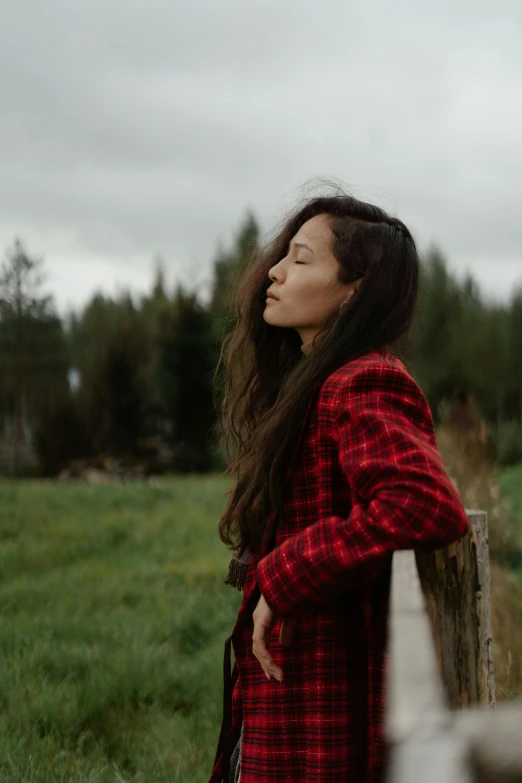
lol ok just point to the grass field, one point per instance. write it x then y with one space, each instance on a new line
511 487
113 617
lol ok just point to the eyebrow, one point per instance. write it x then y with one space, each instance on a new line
300 244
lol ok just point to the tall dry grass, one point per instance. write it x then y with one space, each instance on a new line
468 454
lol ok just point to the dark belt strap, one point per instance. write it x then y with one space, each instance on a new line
229 679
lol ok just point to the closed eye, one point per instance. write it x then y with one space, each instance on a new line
299 262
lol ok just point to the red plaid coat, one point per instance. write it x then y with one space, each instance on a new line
367 479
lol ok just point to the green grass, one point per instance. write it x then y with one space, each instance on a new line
511 486
510 483
113 615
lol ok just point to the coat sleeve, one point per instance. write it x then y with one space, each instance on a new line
402 497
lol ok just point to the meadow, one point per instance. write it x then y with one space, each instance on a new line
113 618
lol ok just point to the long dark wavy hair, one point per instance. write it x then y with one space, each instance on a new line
268 381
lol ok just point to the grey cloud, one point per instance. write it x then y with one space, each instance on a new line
150 127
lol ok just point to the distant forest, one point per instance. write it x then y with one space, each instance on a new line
132 378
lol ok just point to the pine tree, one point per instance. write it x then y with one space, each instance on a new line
33 351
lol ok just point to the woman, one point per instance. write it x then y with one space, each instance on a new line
336 467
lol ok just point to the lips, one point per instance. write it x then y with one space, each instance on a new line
270 295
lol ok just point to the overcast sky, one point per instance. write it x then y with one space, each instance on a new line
132 129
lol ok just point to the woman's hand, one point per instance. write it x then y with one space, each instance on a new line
264 621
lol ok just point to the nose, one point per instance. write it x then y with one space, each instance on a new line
273 274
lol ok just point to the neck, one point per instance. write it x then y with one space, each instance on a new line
307 337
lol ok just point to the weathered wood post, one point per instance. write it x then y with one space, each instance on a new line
419 728
456 585
427 740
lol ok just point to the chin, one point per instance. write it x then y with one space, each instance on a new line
269 318
272 317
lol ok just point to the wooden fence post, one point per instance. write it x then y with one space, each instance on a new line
421 741
456 586
427 740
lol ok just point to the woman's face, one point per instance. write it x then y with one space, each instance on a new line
305 282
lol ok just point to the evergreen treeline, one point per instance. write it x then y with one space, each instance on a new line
134 379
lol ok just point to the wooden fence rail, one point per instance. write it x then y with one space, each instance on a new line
442 723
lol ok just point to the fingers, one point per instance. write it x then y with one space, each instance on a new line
260 650
287 630
264 620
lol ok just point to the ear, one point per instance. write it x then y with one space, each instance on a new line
357 284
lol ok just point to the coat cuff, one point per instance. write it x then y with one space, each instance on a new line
271 582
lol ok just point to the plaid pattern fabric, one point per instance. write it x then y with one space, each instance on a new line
367 479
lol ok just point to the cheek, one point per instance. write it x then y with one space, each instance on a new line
316 295
307 300
304 289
